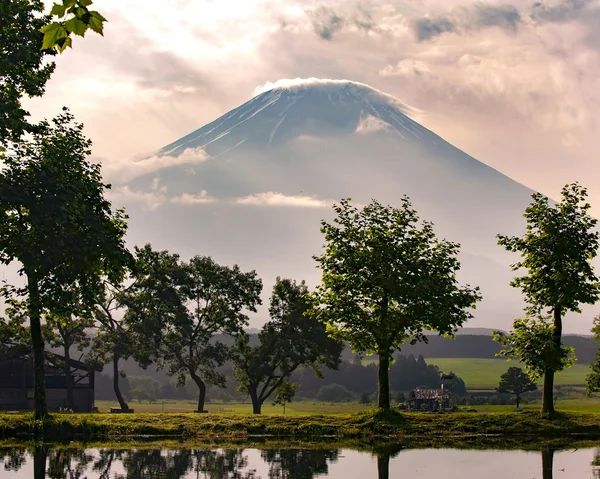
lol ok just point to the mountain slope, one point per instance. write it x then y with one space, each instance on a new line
252 186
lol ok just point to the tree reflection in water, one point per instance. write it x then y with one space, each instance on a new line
298 464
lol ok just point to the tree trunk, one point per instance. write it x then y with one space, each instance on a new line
383 393
122 403
518 401
383 467
256 403
39 462
201 391
548 395
37 342
69 379
547 463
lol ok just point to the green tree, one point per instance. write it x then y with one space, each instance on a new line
182 306
56 222
24 69
593 378
516 381
557 251
388 279
117 339
74 17
65 332
334 393
144 388
365 398
285 394
288 341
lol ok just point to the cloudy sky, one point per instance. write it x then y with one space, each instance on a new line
514 84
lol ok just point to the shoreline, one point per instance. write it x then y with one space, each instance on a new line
374 425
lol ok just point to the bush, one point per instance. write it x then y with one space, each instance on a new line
334 393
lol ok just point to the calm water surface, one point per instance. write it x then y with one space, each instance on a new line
44 462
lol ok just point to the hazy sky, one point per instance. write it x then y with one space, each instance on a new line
515 84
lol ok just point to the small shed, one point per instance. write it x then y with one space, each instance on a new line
16 384
433 399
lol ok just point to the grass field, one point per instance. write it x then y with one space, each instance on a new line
582 405
485 373
296 409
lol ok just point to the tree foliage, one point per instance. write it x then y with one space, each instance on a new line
288 341
593 378
557 250
24 69
387 279
73 17
56 222
515 381
181 306
285 394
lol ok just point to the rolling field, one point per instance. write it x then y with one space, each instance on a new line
480 374
485 373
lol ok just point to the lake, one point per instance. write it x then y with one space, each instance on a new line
391 462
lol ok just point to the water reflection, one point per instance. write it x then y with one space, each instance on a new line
43 462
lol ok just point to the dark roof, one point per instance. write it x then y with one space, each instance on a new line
429 393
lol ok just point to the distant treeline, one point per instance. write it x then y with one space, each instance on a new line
481 346
351 381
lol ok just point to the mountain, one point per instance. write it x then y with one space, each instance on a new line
252 186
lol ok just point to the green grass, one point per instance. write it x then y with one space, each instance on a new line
295 408
367 426
480 373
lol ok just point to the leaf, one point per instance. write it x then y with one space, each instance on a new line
53 33
96 24
98 16
85 3
76 26
62 45
69 3
58 10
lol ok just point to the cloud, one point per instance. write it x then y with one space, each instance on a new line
427 28
563 11
325 22
124 172
154 199
466 19
272 198
370 124
188 199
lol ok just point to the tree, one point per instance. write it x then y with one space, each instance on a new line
364 398
387 279
66 332
557 250
285 394
593 378
117 339
334 393
288 341
180 307
144 388
515 381
24 69
56 222
73 17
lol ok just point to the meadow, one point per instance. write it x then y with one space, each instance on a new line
484 374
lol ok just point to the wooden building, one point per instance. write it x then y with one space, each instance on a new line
16 384
433 399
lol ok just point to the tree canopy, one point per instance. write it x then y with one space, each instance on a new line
557 250
24 69
181 306
387 279
56 222
515 381
288 341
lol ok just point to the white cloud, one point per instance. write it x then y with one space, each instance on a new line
188 199
371 124
124 172
272 198
152 200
